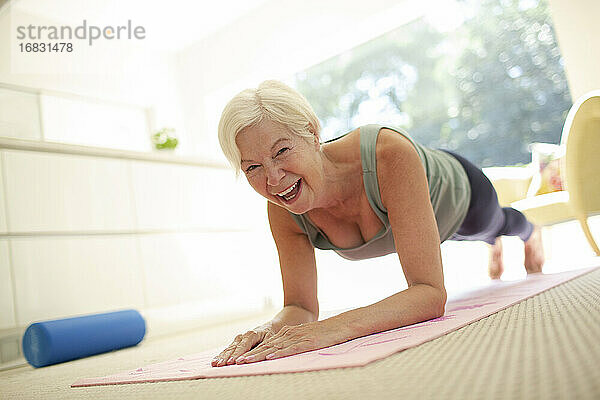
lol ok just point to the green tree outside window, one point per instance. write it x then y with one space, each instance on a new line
485 89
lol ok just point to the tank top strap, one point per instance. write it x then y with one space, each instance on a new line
368 146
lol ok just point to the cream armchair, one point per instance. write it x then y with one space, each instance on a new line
580 170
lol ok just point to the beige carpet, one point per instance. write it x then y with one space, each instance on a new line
546 347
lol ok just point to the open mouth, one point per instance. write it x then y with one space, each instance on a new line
292 193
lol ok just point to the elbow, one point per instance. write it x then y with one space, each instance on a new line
435 301
438 301
442 299
442 309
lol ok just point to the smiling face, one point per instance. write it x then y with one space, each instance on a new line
281 166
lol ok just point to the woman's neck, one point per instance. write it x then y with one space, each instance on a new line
342 187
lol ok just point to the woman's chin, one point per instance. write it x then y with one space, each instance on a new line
293 208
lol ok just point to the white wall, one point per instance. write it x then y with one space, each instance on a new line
576 23
126 74
81 234
85 234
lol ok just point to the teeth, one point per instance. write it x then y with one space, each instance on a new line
288 189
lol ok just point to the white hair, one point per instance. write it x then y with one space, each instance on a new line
273 101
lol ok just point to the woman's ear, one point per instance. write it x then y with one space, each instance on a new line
316 138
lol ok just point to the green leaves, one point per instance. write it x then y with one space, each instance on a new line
162 139
485 89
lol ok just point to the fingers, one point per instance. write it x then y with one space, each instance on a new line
288 351
279 345
272 351
259 353
286 342
240 345
222 357
245 344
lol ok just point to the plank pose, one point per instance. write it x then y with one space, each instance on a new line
371 192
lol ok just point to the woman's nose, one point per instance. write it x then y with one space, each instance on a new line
274 175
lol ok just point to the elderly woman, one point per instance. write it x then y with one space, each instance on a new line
371 192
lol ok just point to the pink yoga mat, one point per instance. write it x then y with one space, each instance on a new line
460 311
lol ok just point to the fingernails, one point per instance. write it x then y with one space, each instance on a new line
230 360
269 356
240 360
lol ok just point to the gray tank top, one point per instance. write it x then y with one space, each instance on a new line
449 191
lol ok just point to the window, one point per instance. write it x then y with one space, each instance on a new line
483 78
94 123
63 118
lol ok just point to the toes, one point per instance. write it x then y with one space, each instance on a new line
495 270
495 276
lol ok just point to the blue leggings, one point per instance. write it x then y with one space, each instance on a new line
485 219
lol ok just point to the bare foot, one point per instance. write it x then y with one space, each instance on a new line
534 252
496 266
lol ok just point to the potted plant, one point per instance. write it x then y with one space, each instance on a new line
163 140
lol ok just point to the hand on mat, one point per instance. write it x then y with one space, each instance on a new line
241 344
292 340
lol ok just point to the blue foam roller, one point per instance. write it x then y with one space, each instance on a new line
51 342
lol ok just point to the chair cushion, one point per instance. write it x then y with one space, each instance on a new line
546 209
546 161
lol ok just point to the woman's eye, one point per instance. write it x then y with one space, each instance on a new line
281 151
250 168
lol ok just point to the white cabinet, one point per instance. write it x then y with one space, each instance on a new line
19 115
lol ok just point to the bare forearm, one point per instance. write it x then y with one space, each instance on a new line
291 315
416 304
